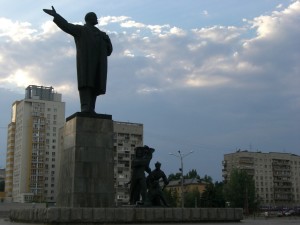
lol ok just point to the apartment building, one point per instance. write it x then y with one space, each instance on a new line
276 175
189 185
11 131
127 136
32 144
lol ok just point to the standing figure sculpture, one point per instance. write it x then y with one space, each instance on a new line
155 192
93 46
140 164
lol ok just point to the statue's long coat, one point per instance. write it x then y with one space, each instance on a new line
93 46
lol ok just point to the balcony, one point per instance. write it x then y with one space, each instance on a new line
246 160
282 185
280 162
249 171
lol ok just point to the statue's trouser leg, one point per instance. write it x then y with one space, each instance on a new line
87 99
143 186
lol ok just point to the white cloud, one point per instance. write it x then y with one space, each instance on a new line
148 90
128 53
49 28
205 12
131 23
177 31
196 81
68 51
20 78
219 34
104 21
158 29
16 31
273 25
197 46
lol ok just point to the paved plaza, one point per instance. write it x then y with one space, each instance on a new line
260 221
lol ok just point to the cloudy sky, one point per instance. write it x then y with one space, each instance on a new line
207 76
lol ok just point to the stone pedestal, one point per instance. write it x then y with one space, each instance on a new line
126 215
86 172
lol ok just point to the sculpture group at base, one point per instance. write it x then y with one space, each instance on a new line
146 191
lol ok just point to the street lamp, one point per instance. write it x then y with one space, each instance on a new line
181 156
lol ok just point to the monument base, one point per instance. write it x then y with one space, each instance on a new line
86 171
126 215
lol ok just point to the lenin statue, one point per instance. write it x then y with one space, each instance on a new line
93 46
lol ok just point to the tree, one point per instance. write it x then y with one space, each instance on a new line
171 197
219 197
173 176
213 195
192 174
240 190
2 185
192 198
207 179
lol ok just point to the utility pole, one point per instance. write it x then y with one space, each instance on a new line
181 156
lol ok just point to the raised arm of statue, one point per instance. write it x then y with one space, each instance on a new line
62 23
51 12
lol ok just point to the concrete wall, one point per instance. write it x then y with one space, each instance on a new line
125 215
5 208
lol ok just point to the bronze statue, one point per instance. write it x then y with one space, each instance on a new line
155 195
93 46
140 164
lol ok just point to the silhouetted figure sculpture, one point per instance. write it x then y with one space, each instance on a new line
155 192
93 46
140 164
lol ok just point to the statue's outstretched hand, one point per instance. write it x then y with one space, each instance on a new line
51 12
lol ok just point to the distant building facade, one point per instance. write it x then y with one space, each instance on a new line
189 185
276 175
32 144
127 136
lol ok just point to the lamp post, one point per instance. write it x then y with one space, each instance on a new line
181 156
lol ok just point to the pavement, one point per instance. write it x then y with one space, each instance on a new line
249 221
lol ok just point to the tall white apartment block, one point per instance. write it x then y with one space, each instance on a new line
11 133
127 136
276 175
32 145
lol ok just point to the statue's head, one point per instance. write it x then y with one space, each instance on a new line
139 152
91 18
157 165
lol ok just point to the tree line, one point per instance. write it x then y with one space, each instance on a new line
238 192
